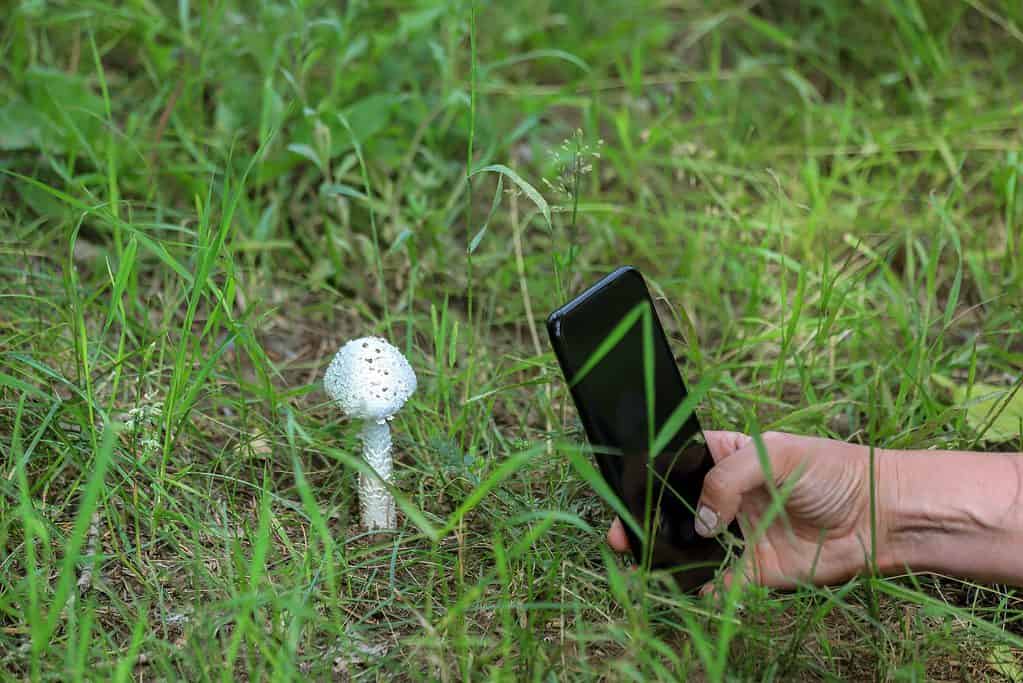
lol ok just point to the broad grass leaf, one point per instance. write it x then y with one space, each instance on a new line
595 479
493 209
413 22
366 118
355 49
537 54
19 126
995 411
70 106
526 188
1006 663
236 107
23 387
335 189
307 152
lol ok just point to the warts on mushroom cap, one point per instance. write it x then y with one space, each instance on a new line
369 379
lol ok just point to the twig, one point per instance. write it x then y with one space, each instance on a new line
76 52
85 580
520 265
161 125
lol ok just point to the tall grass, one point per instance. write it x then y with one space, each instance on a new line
200 202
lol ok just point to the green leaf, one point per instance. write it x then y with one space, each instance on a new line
307 152
770 31
19 126
526 188
585 469
402 237
366 118
23 387
507 468
537 54
67 103
266 226
411 22
340 189
680 415
611 340
354 50
93 491
478 237
994 413
1005 663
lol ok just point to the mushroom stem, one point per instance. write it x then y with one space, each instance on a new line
375 500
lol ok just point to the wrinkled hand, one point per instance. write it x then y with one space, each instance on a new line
823 533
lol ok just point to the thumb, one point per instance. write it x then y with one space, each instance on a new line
724 487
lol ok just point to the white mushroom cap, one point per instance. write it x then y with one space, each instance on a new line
369 379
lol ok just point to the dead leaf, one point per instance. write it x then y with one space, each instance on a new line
257 447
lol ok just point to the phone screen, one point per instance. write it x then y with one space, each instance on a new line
612 402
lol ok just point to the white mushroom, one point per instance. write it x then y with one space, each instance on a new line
370 380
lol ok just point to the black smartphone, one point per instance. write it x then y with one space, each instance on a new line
609 388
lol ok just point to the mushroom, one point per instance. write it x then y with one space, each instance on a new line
370 380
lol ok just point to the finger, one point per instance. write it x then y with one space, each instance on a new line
725 485
730 578
723 444
719 586
617 538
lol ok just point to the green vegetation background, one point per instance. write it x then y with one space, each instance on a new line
199 202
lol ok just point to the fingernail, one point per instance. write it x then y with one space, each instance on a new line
706 521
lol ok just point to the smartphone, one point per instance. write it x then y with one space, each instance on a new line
609 389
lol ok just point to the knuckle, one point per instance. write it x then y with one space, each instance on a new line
714 484
741 440
782 452
775 443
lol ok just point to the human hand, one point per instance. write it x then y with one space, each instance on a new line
823 532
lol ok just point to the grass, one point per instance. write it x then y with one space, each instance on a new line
199 202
